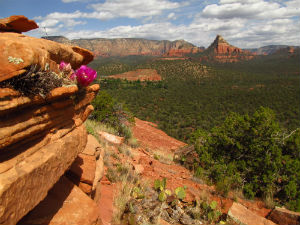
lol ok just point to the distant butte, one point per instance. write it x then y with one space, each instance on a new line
220 50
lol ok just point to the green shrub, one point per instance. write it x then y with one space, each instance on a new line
252 152
108 111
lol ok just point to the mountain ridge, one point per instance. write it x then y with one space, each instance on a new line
107 47
131 46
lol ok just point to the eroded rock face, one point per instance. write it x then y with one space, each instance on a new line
39 140
19 52
27 183
17 24
65 204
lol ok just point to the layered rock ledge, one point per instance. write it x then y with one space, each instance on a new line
39 140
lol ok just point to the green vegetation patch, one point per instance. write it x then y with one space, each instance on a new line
254 153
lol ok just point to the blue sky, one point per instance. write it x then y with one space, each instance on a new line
243 23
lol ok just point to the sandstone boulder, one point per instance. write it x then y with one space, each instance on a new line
283 217
65 204
17 24
110 138
19 52
241 215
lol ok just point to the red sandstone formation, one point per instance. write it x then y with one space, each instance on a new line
17 24
220 50
42 135
18 52
181 52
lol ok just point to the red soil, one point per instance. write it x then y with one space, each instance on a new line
139 74
149 136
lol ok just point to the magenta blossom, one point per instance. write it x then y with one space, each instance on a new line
85 75
65 66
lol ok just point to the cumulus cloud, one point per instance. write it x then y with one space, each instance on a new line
132 8
251 9
244 23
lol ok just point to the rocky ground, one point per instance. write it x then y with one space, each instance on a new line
130 196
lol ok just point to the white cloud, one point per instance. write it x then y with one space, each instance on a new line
49 23
132 8
244 23
252 9
171 16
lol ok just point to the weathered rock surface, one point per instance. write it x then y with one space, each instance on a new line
39 140
65 204
283 217
88 168
17 24
139 74
18 52
27 183
241 215
130 46
29 124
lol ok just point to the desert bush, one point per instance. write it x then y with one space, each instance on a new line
108 111
252 152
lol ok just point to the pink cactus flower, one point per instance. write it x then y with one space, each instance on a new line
85 75
65 66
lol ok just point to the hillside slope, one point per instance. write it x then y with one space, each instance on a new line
131 46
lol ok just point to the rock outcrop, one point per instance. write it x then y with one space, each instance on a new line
40 138
17 24
220 50
18 52
131 46
42 135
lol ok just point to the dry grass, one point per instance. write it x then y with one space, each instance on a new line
128 180
269 201
163 157
93 127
